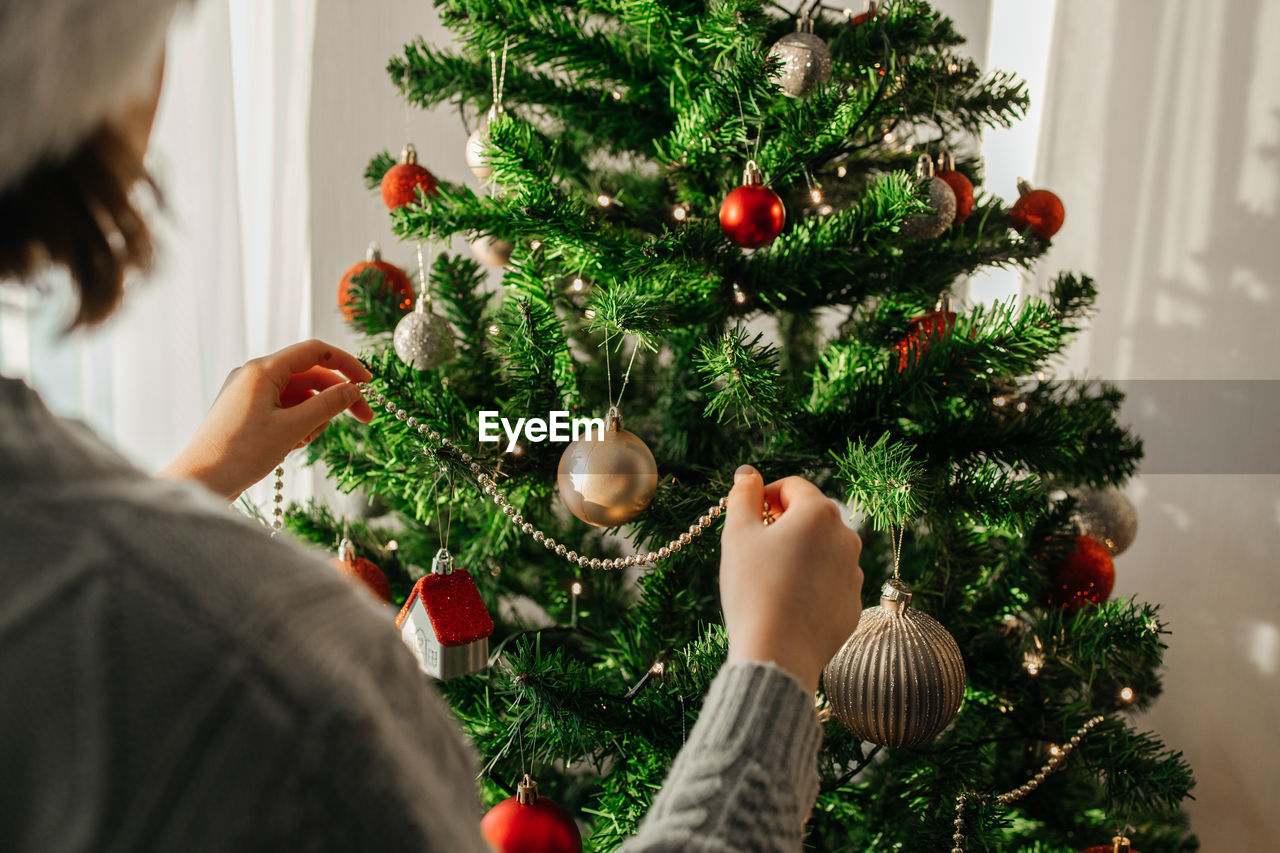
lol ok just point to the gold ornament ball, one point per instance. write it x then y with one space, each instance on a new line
943 201
1107 516
806 62
477 147
899 679
491 251
607 481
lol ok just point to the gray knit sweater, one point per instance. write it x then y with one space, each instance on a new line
173 679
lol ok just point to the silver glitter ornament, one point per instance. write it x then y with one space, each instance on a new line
478 145
423 339
806 60
1107 516
941 198
607 481
899 679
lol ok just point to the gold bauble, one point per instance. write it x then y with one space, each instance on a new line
899 679
491 251
607 481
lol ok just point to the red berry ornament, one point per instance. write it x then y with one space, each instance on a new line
395 284
1037 211
960 185
528 823
752 215
1085 575
401 182
363 570
923 330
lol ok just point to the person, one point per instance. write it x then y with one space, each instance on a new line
174 678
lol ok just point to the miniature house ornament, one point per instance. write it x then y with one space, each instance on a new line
444 621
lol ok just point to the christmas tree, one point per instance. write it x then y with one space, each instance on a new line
733 224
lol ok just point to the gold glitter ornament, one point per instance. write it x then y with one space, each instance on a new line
607 481
941 198
491 251
899 679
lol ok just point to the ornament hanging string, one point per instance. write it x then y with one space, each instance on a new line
896 532
498 75
424 283
746 146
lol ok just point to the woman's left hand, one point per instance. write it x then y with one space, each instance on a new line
266 408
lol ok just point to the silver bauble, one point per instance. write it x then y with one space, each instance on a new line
607 481
943 201
423 339
899 679
806 62
491 251
477 151
1107 516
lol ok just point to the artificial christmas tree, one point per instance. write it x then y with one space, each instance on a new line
625 126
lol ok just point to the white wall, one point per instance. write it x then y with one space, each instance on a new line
1159 125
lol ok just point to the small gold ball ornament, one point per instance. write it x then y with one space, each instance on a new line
899 679
805 58
478 147
941 198
607 480
491 251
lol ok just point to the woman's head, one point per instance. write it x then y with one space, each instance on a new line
79 82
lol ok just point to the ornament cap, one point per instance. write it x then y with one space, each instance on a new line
442 562
1023 187
346 551
944 301
373 254
751 175
527 791
947 160
420 307
1120 844
895 596
924 166
613 419
804 24
409 154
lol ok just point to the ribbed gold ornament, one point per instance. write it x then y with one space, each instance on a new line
899 679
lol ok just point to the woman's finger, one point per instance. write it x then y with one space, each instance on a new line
318 379
785 493
301 357
311 415
745 500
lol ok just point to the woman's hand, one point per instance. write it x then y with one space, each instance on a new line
791 590
267 408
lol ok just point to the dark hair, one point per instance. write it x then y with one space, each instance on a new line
80 213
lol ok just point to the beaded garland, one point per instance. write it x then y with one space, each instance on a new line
489 487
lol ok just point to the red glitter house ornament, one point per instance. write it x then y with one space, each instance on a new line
445 623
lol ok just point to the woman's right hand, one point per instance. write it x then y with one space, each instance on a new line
791 590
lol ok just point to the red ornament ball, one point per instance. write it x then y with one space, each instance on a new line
528 823
1084 575
963 188
394 283
1038 211
401 182
1119 845
752 215
365 571
863 17
921 332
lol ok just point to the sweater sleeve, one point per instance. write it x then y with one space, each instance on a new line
748 776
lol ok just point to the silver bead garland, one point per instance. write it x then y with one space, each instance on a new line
1022 790
277 512
487 485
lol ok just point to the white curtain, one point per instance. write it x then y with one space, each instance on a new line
233 275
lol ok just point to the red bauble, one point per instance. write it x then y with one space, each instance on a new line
394 283
364 570
1117 845
1038 211
1084 575
963 188
400 183
752 215
922 331
528 823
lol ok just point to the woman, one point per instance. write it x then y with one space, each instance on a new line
175 679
